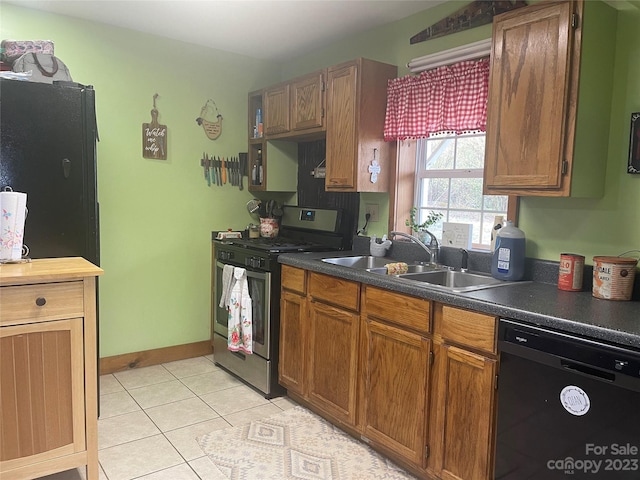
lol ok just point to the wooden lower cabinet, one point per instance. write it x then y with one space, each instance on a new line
395 364
293 340
42 380
413 378
333 360
48 368
463 395
462 426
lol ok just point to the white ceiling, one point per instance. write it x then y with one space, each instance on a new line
275 30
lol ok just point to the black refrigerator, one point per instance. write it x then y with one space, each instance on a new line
48 151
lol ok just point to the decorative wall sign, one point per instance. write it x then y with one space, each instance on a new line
212 128
634 144
473 15
154 136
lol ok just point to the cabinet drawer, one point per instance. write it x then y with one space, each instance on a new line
397 308
40 302
294 279
337 291
471 329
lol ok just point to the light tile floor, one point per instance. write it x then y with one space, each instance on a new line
150 418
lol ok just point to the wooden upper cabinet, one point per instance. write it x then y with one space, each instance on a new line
356 106
276 110
307 102
550 100
532 97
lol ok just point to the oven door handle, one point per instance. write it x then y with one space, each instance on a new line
250 273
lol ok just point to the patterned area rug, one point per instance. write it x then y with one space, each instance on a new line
295 444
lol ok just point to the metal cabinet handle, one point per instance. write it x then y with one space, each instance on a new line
40 301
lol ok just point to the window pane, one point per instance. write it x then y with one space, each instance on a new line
487 226
470 152
435 193
495 203
466 193
457 189
440 154
436 228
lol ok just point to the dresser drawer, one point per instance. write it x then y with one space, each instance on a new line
334 290
41 302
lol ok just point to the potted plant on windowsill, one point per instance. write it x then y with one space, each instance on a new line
420 229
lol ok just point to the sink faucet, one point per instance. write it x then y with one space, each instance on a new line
433 249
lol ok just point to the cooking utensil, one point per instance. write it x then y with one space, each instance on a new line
277 211
253 206
240 172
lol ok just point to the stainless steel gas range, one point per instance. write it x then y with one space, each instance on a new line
301 230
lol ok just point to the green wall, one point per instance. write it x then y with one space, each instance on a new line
607 226
156 216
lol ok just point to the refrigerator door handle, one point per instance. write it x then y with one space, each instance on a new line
66 167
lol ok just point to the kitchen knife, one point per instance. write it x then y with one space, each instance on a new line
212 169
240 172
207 170
235 171
224 171
219 171
232 174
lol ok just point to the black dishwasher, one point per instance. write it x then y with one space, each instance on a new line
568 407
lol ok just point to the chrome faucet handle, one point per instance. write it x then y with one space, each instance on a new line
465 260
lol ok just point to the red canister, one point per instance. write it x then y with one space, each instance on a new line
570 275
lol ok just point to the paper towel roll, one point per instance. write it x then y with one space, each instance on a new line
13 209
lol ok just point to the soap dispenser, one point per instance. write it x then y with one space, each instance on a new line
509 254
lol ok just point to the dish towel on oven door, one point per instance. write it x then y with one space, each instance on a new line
240 337
227 284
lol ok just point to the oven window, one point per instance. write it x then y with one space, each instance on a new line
259 291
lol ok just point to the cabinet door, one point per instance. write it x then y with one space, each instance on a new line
276 110
332 362
532 96
341 128
463 406
42 384
395 389
307 106
293 323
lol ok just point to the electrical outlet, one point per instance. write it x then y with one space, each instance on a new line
372 209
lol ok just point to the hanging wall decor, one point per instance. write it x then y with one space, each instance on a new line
210 121
634 144
473 15
154 136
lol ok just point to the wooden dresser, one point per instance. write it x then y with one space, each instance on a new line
48 368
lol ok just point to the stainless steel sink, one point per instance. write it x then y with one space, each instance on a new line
454 281
362 262
414 268
439 277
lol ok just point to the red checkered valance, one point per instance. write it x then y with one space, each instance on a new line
450 99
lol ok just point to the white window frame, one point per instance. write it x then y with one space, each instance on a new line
422 172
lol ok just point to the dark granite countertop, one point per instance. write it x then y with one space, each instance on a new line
535 302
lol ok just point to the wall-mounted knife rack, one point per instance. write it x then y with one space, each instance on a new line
219 171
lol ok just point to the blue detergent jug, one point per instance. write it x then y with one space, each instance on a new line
508 257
